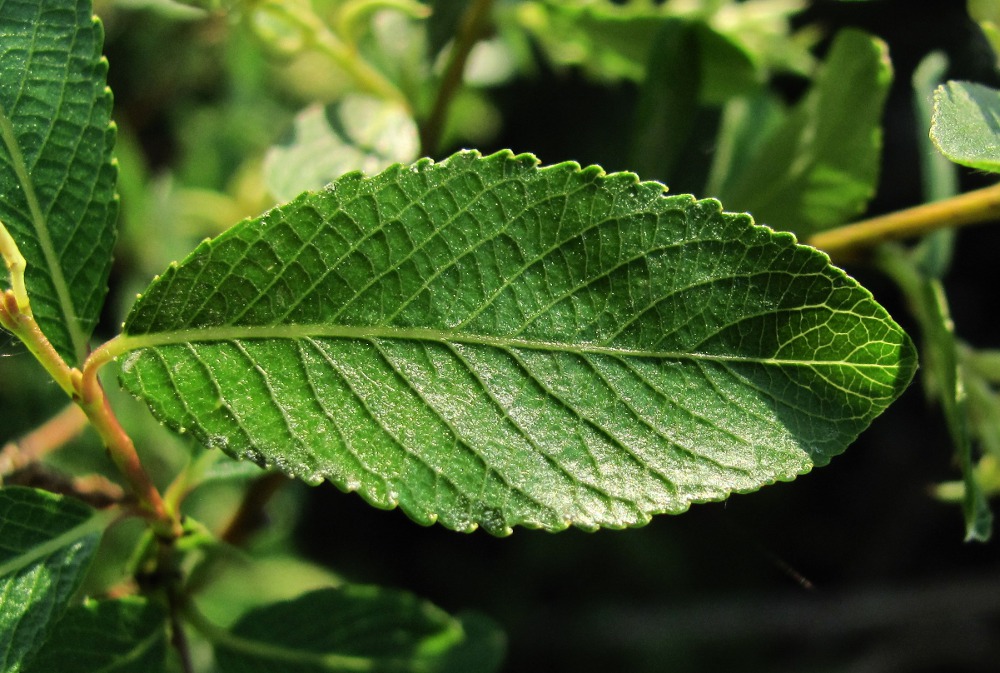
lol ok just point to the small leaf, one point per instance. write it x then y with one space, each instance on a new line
358 133
46 544
820 167
966 126
357 628
57 178
484 342
123 636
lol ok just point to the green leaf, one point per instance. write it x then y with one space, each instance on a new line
123 636
966 126
820 167
57 177
488 343
358 133
46 543
356 628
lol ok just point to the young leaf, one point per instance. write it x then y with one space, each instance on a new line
820 167
46 543
361 628
123 636
57 177
966 126
484 342
357 133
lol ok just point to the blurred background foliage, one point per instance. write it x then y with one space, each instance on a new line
226 107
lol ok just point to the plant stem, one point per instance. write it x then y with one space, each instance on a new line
44 439
468 34
973 207
89 397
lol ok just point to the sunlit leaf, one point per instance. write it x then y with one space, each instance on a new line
966 126
57 178
486 342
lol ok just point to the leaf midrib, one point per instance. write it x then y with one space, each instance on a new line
40 224
132 342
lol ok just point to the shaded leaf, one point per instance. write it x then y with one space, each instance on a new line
57 178
484 342
966 126
46 544
358 133
123 636
357 628
820 167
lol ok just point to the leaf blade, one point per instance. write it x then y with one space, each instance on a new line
485 342
965 124
56 168
46 543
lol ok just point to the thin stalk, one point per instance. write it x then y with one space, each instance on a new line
973 207
44 439
469 32
16 316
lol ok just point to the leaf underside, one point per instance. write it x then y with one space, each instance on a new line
57 177
45 547
488 343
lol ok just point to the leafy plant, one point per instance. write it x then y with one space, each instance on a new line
480 340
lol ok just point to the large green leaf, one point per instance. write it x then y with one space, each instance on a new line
57 178
123 636
46 543
484 342
820 167
357 628
966 126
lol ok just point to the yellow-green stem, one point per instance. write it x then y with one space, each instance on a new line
974 207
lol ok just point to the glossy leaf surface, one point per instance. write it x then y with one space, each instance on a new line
57 178
488 343
966 126
362 628
46 543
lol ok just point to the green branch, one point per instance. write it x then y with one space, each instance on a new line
974 207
